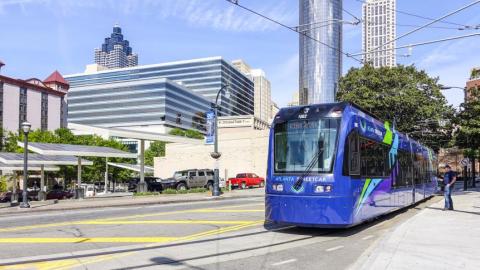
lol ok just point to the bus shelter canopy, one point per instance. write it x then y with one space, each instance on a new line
77 150
19 167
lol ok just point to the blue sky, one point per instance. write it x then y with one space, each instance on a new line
39 36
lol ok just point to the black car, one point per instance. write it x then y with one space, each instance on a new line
154 184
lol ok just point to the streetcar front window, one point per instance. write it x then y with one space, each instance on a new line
305 144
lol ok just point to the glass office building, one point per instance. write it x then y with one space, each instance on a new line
159 104
320 65
129 102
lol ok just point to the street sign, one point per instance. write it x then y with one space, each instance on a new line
465 162
210 136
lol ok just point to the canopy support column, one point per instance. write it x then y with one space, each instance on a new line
106 175
142 186
79 193
42 194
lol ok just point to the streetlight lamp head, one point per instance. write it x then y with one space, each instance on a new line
26 127
227 93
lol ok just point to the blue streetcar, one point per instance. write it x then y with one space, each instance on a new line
335 165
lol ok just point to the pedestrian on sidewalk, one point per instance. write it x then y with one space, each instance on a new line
449 179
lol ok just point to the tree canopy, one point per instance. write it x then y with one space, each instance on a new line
156 149
467 121
403 95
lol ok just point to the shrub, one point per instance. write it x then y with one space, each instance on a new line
137 194
3 185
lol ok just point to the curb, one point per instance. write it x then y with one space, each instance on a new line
207 199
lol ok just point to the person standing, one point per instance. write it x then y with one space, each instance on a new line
449 178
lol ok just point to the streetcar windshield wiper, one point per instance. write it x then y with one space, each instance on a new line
298 184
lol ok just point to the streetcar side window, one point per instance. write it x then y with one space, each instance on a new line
373 158
352 153
405 172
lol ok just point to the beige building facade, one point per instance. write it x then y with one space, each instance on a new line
295 99
243 143
262 90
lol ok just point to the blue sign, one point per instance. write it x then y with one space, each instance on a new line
210 137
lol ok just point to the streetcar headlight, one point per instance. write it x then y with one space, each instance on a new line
323 188
278 187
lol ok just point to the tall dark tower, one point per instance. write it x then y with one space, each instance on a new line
116 51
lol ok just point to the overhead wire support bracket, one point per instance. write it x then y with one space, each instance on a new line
423 26
419 44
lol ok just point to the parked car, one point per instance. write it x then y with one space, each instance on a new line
246 180
7 196
154 184
193 178
58 194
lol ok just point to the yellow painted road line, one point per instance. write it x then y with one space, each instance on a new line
71 263
59 224
79 240
229 210
146 222
156 240
220 231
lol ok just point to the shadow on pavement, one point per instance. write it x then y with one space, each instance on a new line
466 212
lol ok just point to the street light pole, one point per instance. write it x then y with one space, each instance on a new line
26 129
443 87
216 155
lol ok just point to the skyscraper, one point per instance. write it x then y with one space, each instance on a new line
320 65
262 89
116 52
379 28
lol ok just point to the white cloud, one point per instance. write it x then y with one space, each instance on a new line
197 13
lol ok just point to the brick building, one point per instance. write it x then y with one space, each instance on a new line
42 103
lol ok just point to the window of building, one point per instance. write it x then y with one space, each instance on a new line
63 112
178 120
1 106
22 107
44 112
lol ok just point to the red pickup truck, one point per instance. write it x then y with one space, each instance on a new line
245 180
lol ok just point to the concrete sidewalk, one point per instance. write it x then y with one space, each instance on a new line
432 239
99 202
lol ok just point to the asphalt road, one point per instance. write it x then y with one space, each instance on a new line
211 235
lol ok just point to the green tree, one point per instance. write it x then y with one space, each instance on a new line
190 133
157 149
467 121
403 95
